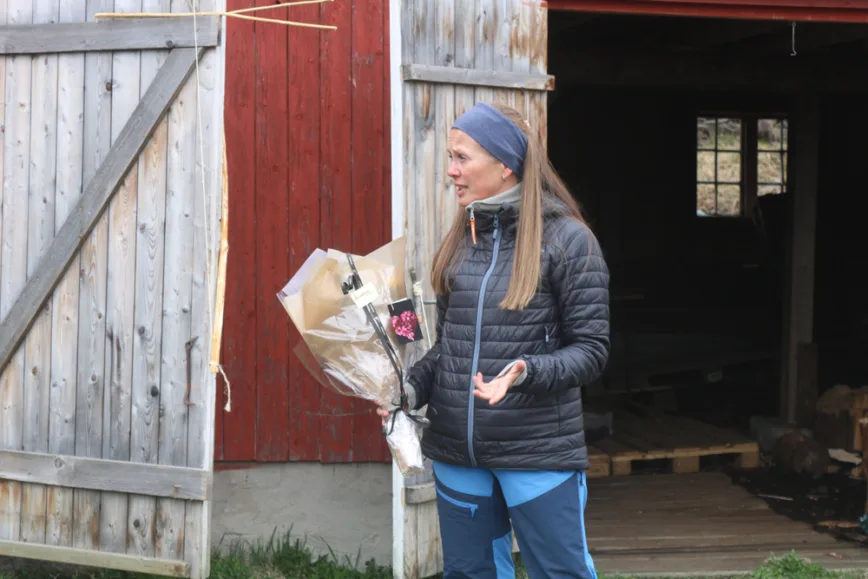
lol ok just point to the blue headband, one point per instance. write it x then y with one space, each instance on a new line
496 133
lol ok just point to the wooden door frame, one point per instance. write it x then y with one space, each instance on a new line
401 74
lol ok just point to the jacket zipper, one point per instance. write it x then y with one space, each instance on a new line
475 366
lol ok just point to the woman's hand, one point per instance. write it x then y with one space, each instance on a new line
383 411
495 390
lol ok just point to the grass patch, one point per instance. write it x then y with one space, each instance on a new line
287 558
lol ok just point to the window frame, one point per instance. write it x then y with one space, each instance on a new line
749 151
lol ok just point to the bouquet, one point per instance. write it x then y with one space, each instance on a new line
356 320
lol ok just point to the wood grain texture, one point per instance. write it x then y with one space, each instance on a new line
40 225
89 558
336 422
206 210
139 518
239 428
87 141
94 200
90 389
120 285
105 475
368 186
306 171
272 238
65 300
13 260
90 385
341 88
177 316
48 37
481 78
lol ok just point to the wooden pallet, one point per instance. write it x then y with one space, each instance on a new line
681 441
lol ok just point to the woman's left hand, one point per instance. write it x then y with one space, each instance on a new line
495 390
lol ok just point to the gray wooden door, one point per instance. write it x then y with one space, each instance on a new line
110 161
453 53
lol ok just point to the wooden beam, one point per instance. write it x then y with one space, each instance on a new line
475 77
93 201
694 71
809 37
108 35
89 558
713 33
420 493
799 292
98 474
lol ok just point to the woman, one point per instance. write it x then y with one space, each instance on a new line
523 323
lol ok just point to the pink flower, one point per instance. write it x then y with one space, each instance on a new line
405 324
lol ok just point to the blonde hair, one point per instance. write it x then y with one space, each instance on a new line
538 179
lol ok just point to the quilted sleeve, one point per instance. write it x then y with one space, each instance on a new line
580 282
421 375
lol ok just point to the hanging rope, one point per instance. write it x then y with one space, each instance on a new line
241 14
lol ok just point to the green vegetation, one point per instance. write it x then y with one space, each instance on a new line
286 558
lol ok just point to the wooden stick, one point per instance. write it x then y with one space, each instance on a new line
286 22
286 4
217 334
240 14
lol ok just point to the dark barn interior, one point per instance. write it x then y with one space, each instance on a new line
702 295
721 164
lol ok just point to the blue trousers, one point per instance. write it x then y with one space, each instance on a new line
547 508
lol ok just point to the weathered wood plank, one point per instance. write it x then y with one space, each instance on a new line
477 77
305 223
90 384
240 339
483 57
89 558
420 493
65 301
5 398
40 232
368 200
272 217
13 260
445 203
206 207
127 147
148 310
108 35
307 398
178 482
120 287
178 273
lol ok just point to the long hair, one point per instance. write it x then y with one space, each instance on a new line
538 179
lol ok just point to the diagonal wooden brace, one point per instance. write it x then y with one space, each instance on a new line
95 198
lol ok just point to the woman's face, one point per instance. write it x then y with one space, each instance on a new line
475 172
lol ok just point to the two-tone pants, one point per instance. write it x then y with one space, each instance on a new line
546 509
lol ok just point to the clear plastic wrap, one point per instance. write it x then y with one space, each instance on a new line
340 306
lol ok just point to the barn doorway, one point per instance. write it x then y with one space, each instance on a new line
719 161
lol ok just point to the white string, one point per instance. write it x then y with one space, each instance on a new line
207 227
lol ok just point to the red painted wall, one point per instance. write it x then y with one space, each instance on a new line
307 133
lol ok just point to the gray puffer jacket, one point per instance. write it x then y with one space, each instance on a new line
563 336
